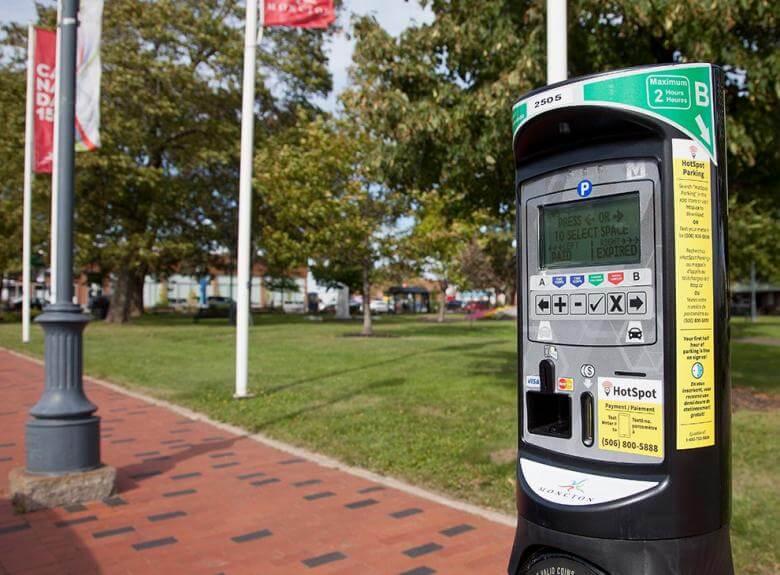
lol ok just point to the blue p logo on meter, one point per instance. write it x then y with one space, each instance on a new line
584 188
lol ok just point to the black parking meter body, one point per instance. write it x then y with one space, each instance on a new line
623 392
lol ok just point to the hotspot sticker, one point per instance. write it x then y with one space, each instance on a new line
630 415
565 384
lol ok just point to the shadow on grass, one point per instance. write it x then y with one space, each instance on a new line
500 367
395 361
383 383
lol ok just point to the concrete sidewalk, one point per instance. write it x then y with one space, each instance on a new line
196 499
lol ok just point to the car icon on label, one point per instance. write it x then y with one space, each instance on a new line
635 333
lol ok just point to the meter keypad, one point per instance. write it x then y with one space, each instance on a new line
618 300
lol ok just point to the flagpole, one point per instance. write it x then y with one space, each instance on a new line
28 175
557 45
54 161
252 37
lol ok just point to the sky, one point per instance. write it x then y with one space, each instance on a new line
393 15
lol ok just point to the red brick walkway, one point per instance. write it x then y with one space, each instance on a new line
195 499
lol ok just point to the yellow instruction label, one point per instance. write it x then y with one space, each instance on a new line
631 415
695 324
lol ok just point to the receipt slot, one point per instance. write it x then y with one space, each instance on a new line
624 440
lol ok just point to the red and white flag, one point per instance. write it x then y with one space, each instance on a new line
43 99
87 86
299 13
88 75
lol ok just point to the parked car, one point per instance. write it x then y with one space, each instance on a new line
454 305
380 306
290 306
99 306
476 305
15 304
216 306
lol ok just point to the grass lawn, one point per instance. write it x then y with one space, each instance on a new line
433 404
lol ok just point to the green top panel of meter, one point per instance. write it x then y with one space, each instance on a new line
680 95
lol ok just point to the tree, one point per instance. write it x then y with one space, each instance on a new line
759 234
321 203
435 244
500 251
474 267
440 95
153 198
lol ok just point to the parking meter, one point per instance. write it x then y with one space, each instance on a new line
623 393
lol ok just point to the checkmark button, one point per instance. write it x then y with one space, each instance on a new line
597 304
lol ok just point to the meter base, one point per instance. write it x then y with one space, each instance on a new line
539 551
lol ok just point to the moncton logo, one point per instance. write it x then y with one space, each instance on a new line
574 486
572 491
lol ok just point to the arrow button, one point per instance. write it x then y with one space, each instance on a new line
543 305
637 303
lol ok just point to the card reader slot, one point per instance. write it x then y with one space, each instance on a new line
549 414
631 373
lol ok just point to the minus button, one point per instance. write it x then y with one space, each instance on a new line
579 304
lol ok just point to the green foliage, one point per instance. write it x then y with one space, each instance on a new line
160 194
440 95
319 201
436 240
755 234
488 262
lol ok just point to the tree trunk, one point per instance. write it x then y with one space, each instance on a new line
368 328
127 296
137 297
119 310
442 300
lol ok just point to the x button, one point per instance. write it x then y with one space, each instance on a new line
616 303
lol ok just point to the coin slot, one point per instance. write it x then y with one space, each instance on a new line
586 412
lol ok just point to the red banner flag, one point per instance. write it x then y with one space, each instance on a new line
43 99
299 13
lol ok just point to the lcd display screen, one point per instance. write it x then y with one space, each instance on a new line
595 232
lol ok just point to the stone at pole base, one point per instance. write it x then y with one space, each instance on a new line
31 492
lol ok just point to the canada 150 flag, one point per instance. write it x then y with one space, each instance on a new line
43 98
299 13
87 86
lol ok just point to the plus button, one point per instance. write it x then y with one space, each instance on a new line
560 304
